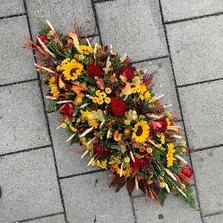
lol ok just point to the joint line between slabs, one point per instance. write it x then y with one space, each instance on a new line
26 150
18 82
39 217
200 82
193 18
206 148
179 102
151 59
96 20
103 1
213 214
47 121
133 209
12 16
81 174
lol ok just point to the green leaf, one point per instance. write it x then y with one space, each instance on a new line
175 168
116 147
52 106
162 195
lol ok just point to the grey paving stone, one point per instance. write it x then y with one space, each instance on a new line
22 120
29 185
16 63
132 27
163 82
202 108
174 210
62 14
196 48
88 199
69 161
53 219
180 9
11 7
214 219
209 179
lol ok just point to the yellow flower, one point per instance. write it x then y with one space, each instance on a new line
127 159
102 164
85 115
86 49
97 93
100 101
107 100
71 69
95 99
72 128
117 136
140 132
102 95
54 90
133 90
78 99
162 138
93 123
108 90
169 155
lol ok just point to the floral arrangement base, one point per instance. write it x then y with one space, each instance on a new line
108 106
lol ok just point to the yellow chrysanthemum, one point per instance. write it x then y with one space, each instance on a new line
86 49
107 100
71 69
100 101
169 155
94 99
54 89
108 90
97 93
140 132
102 95
102 164
85 115
93 123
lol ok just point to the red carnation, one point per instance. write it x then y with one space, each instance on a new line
93 71
100 150
117 106
67 109
187 171
160 125
43 38
128 73
137 164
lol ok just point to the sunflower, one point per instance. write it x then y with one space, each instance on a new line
86 49
140 131
71 69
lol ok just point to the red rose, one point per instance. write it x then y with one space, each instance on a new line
100 150
93 71
43 38
117 106
128 73
67 109
137 164
159 125
187 171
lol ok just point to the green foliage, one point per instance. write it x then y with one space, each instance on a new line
190 199
42 27
162 195
52 106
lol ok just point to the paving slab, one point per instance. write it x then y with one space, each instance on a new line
52 219
12 55
197 49
88 199
214 219
175 210
29 185
62 14
209 179
22 120
68 157
132 27
11 7
163 82
180 9
202 107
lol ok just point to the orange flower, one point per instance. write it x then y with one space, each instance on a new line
117 136
78 88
